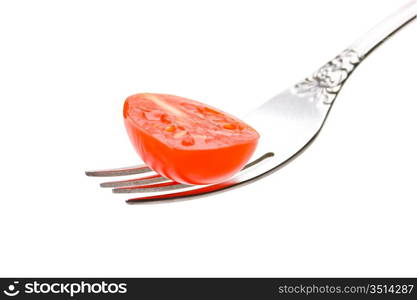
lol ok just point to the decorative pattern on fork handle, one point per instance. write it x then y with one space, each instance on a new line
323 85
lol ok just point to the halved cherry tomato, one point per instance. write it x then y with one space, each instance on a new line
187 141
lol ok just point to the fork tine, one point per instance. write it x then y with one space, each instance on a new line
244 177
128 171
183 194
119 171
159 187
135 182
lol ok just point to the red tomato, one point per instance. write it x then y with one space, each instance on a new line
187 141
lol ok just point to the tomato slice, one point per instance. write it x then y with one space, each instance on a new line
187 141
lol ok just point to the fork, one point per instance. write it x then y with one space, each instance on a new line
288 123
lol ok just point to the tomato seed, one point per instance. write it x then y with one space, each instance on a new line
166 118
188 141
229 126
210 110
170 128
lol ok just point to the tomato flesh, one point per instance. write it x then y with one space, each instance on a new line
187 141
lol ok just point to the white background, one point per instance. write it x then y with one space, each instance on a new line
346 207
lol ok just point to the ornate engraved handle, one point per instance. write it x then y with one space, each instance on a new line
324 85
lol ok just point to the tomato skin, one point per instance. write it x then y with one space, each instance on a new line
188 165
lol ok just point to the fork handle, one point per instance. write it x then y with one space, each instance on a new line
383 30
324 85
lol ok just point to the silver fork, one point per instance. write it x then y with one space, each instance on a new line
288 123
